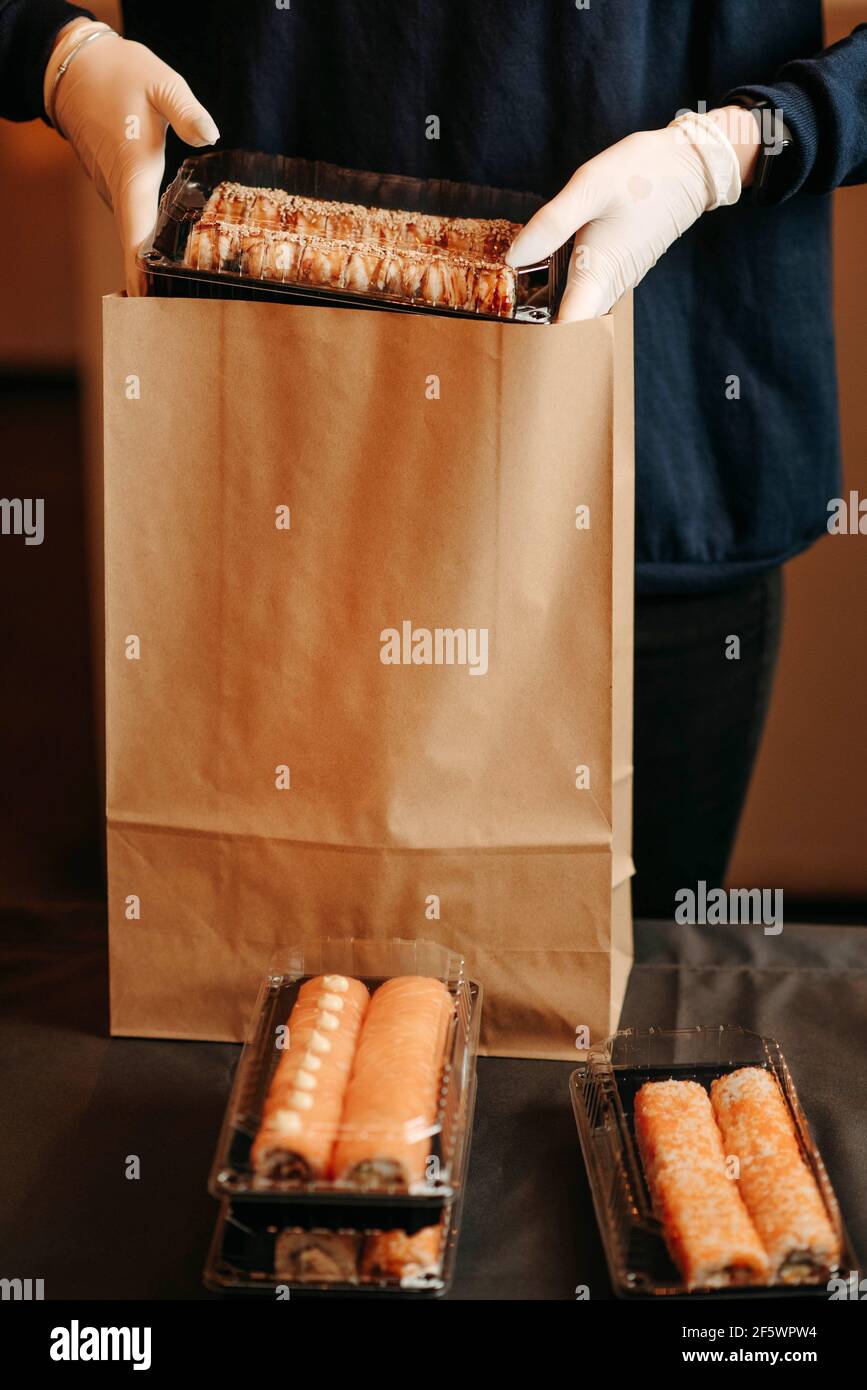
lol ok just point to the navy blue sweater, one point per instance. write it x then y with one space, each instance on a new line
525 91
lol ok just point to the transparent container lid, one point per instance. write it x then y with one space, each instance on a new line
372 962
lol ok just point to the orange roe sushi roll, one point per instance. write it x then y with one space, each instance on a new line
777 1187
706 1226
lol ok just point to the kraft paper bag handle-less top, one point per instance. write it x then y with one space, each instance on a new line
368 655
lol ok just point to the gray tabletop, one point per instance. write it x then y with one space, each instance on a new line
78 1103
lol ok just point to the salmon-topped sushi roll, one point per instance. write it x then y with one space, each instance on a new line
706 1226
303 1106
778 1188
396 1255
393 1093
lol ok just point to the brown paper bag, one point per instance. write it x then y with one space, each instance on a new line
357 647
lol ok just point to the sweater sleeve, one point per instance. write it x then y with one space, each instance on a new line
824 103
28 29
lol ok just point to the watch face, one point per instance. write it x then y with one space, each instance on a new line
776 139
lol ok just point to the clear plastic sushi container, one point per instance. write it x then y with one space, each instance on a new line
174 265
603 1090
324 1232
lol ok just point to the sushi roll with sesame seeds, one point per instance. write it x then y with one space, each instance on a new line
777 1187
705 1224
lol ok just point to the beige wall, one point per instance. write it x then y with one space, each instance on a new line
804 827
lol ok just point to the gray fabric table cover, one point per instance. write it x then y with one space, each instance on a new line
76 1103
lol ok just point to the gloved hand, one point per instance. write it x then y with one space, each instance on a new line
113 104
628 204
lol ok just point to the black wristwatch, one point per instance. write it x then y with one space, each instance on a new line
777 142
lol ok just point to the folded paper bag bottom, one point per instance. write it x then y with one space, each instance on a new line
189 965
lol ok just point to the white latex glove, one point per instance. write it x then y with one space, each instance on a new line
113 104
628 204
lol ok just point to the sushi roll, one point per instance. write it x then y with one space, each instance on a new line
227 203
705 1224
324 262
392 275
272 235
384 225
303 1106
253 255
235 202
396 1255
468 236
447 281
493 291
497 237
201 248
216 246
266 209
413 267
777 1187
310 216
344 221
366 268
317 1257
282 256
393 1093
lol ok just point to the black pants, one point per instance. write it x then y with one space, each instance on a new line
698 721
